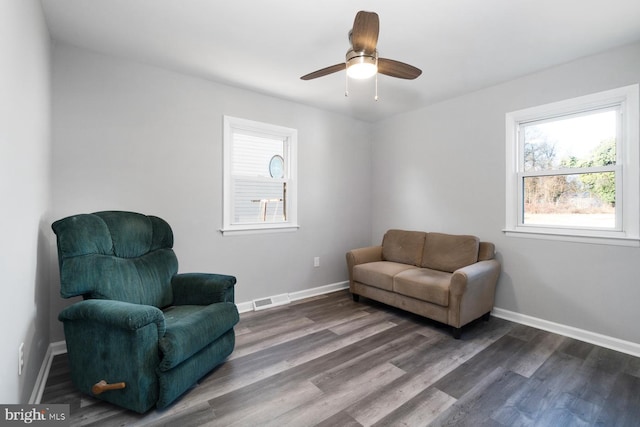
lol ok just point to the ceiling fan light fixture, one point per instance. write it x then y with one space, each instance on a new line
361 66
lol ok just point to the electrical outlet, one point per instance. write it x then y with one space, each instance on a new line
316 261
20 358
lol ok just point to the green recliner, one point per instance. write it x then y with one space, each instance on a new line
143 335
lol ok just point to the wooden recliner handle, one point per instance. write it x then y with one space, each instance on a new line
102 386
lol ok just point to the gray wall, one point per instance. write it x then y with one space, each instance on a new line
442 168
134 137
24 191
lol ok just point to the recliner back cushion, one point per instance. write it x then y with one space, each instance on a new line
131 234
122 256
448 252
81 235
403 246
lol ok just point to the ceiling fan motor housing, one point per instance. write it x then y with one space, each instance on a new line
361 65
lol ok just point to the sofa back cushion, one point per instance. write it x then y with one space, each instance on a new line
403 246
447 252
486 251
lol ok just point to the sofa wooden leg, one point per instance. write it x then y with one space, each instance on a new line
355 297
456 332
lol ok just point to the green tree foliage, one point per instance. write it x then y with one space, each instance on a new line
601 184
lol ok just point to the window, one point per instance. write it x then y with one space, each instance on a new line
573 169
259 177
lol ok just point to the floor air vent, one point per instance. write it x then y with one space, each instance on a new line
261 304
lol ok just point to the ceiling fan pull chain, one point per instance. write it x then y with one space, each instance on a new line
376 97
346 84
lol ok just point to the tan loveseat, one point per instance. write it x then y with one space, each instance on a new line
447 278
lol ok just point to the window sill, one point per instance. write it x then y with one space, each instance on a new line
573 237
237 231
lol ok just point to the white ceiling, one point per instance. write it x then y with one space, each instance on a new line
266 45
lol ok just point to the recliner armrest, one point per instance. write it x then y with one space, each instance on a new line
120 314
482 273
202 288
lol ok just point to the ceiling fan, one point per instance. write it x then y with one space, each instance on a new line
362 59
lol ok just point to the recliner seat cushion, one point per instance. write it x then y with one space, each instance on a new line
190 328
448 252
379 274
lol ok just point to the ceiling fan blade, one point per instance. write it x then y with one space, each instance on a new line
364 36
397 69
325 71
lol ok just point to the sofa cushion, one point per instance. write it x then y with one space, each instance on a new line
447 252
486 251
424 284
403 246
379 274
190 328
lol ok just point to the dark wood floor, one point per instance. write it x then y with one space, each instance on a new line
328 361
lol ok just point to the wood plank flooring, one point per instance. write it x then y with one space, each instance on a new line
328 361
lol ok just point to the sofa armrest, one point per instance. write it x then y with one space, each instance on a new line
362 256
473 291
480 274
117 314
202 288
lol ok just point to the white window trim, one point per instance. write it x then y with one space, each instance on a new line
291 224
629 234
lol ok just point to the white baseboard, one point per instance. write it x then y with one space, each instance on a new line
244 307
53 350
605 341
320 290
